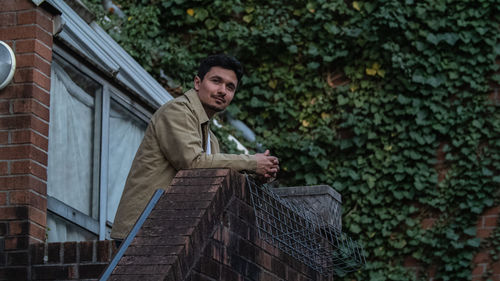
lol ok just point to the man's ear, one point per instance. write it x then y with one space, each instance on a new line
197 82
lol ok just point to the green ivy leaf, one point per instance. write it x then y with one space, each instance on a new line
200 14
355 228
475 242
471 231
247 18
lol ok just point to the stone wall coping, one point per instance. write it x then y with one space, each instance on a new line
308 191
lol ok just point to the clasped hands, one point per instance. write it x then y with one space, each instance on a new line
267 166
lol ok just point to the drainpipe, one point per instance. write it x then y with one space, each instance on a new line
248 134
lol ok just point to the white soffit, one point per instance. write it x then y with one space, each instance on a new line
99 48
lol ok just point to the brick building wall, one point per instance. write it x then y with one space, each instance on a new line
485 266
63 261
70 260
24 127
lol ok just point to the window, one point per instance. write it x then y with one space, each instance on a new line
95 131
125 131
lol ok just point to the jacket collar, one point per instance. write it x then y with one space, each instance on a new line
193 98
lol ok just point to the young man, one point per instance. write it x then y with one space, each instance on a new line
179 137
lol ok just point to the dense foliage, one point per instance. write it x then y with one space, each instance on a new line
386 101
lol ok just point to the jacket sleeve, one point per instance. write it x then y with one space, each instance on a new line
180 140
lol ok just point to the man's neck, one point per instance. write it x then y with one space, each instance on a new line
210 112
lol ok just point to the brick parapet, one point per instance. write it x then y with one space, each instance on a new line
185 215
235 248
203 228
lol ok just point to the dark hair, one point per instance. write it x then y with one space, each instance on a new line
220 60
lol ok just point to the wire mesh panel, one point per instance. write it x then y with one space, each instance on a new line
303 234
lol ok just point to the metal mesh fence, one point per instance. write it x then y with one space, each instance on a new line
303 234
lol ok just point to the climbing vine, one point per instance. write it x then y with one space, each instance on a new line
392 103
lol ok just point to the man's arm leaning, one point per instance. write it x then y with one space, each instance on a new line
181 142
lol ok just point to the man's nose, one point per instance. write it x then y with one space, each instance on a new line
222 89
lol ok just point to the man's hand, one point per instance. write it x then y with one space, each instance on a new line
267 166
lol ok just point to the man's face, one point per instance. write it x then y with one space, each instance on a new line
216 90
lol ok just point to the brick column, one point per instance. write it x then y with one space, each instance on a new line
24 129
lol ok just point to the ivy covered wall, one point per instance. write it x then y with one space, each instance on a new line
393 103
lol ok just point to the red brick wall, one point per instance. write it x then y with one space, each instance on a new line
63 261
484 265
235 252
24 128
70 260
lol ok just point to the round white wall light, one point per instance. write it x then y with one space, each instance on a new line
7 64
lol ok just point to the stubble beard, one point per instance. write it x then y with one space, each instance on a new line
212 108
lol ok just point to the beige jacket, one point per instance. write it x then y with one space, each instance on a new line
175 139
